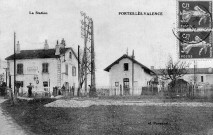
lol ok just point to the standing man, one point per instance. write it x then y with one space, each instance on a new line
73 91
30 90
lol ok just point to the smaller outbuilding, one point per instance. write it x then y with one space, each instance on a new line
127 76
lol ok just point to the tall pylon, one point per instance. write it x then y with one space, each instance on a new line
88 63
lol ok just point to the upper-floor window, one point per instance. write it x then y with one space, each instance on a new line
126 66
66 69
70 55
45 68
73 71
19 68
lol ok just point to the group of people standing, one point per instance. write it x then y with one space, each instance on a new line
29 87
56 90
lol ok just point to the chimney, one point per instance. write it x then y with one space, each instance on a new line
62 45
18 47
133 54
46 46
57 49
152 67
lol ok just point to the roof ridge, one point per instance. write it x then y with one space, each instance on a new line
47 49
129 57
39 53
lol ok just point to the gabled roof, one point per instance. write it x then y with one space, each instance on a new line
191 71
146 69
40 53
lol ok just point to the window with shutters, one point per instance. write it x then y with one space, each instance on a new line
66 69
19 68
45 68
46 86
201 78
73 71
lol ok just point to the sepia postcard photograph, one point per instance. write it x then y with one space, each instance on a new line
106 67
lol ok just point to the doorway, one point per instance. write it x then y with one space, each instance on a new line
126 86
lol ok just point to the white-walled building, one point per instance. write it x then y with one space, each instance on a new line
202 76
44 68
128 76
198 76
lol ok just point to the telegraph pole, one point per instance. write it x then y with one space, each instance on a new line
78 62
195 66
14 60
14 91
133 57
79 72
93 85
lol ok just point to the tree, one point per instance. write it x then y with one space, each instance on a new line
174 70
85 63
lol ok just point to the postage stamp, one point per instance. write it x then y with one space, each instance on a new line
195 45
194 14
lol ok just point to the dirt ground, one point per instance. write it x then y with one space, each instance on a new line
113 119
7 124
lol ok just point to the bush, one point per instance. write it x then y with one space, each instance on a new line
3 91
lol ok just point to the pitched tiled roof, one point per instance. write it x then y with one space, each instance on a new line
40 53
146 69
191 71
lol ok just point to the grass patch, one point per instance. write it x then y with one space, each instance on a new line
98 120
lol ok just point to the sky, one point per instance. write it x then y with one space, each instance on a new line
151 37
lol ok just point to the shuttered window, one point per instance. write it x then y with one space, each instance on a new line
66 69
45 68
19 68
73 71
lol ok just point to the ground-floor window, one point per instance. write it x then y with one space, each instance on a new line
46 86
201 78
116 84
